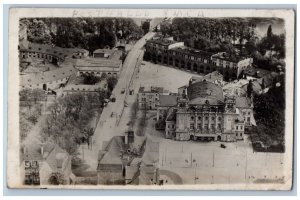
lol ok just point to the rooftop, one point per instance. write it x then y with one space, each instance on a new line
112 152
152 89
151 155
98 63
163 42
89 88
193 52
211 77
52 154
113 54
49 49
167 100
204 92
243 102
227 57
48 76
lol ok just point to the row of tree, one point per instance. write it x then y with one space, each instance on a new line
68 121
87 33
236 36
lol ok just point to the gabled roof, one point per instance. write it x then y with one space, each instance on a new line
112 152
171 115
243 102
151 155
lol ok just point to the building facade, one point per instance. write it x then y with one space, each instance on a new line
148 97
204 113
175 54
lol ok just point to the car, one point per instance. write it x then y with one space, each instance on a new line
123 91
223 146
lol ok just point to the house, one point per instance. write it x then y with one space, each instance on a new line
117 155
148 97
99 65
46 164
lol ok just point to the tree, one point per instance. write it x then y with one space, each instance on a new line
269 32
146 26
111 83
38 95
90 79
249 88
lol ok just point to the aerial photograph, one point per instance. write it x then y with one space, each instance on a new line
151 101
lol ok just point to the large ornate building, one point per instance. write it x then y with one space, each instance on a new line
204 113
171 53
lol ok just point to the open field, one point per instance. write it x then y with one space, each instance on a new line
167 77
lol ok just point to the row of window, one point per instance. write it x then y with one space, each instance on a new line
206 126
206 118
237 127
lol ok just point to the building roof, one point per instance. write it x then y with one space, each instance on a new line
243 102
100 63
53 155
151 89
212 77
49 49
81 87
48 76
203 92
193 52
163 42
225 56
171 115
151 154
112 152
113 53
256 72
167 100
108 51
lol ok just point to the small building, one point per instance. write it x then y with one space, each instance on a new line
107 53
97 66
46 164
148 97
49 80
231 66
149 167
115 158
245 106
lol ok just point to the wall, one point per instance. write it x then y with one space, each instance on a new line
50 85
110 173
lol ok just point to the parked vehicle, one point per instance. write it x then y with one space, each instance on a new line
223 146
123 91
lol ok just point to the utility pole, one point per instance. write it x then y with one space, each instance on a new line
82 152
213 159
246 167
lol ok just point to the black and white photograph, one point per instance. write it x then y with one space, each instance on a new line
151 99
